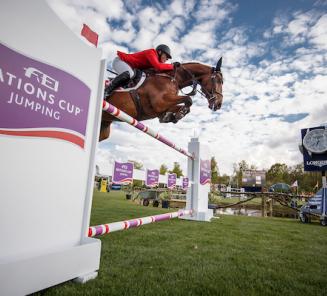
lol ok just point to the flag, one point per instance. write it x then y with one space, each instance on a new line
91 36
316 186
294 184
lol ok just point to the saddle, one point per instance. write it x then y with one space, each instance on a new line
133 84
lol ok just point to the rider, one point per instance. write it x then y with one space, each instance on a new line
124 64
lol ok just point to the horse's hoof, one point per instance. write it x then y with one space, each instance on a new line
167 117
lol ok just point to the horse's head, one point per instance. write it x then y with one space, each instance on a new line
212 87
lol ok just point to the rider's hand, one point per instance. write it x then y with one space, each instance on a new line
176 64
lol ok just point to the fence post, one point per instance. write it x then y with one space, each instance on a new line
264 206
198 193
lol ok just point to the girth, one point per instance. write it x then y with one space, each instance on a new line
137 102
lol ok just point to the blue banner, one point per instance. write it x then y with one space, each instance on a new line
314 142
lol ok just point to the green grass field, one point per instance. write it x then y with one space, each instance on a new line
233 255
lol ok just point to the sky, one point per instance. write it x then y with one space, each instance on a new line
274 66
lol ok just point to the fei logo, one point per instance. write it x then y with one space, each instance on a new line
40 100
42 78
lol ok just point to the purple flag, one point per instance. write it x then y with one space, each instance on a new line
205 171
171 180
123 172
152 178
185 183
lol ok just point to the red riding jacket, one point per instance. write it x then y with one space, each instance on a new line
144 59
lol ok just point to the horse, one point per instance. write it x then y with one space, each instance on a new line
158 96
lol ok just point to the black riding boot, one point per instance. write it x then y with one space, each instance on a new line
119 80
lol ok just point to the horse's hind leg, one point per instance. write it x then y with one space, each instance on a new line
104 130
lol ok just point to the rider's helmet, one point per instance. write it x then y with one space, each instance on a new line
164 48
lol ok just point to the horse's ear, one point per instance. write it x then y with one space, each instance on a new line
219 64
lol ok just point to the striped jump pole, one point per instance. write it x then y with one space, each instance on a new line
123 225
107 107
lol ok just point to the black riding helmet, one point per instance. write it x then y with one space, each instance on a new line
164 48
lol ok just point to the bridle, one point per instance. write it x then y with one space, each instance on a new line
210 96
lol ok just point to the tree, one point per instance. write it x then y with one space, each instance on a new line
281 173
163 169
278 173
177 170
238 168
306 180
137 165
214 171
224 179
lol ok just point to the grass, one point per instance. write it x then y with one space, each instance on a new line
233 255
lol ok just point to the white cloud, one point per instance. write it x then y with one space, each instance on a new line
288 77
318 33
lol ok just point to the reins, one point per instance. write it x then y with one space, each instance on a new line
195 81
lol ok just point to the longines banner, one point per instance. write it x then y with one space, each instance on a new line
39 100
314 142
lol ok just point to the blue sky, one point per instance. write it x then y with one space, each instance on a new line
274 66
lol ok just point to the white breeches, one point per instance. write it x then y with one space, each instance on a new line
120 66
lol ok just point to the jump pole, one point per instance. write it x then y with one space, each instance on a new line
111 109
133 223
198 166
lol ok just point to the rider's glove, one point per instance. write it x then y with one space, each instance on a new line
176 64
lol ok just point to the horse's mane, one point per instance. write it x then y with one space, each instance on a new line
197 62
153 72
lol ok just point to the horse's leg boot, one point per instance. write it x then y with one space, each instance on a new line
182 112
167 117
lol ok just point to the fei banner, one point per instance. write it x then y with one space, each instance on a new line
185 183
152 178
205 171
123 172
41 101
171 180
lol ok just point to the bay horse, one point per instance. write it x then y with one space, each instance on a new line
158 96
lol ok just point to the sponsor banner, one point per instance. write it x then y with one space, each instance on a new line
152 178
314 161
123 172
39 100
171 180
205 171
252 178
185 183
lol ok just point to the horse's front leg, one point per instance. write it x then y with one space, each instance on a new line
170 114
184 109
177 111
187 100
